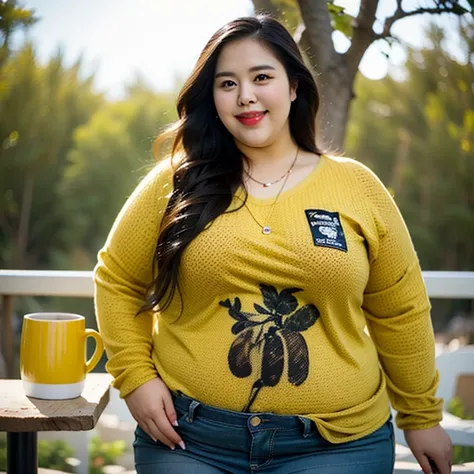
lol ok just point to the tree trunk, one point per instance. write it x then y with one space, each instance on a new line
335 98
265 6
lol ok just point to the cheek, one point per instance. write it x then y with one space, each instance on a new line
223 102
278 98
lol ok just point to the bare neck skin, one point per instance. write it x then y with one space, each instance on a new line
269 163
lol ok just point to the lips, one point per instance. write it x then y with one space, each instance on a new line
250 118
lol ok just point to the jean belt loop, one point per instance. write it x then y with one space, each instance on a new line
307 426
192 406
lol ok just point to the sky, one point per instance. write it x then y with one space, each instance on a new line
161 39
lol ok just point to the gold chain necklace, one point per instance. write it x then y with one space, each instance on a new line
269 183
266 229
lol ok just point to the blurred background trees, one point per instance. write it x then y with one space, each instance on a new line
12 17
418 135
40 108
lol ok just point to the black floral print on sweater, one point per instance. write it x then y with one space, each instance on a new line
275 331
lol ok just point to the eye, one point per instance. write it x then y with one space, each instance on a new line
227 84
262 77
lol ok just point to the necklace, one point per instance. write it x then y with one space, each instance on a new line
270 183
266 229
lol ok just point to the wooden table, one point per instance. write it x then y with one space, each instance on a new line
22 417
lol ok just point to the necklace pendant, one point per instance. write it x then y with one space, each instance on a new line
267 185
266 230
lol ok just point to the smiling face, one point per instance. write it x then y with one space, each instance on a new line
252 94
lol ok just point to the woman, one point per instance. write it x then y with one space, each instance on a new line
265 260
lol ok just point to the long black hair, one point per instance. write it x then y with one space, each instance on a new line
210 166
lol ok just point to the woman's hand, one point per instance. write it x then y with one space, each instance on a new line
152 407
431 443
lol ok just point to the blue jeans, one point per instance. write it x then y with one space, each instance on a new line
222 441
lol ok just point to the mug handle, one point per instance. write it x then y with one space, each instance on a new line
99 349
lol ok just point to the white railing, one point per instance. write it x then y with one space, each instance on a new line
79 284
46 283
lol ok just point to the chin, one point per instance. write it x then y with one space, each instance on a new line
255 140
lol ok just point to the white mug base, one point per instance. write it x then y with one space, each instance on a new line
48 391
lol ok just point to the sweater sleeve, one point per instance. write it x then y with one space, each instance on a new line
121 277
397 310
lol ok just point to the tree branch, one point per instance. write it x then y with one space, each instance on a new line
362 34
316 39
400 13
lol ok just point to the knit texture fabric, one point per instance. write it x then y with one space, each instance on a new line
325 317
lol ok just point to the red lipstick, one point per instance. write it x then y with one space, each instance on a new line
250 118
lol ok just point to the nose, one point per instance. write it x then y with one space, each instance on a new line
246 95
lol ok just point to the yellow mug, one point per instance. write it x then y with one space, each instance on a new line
53 355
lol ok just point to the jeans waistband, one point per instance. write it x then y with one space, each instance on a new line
258 420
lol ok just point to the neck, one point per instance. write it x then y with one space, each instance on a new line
270 159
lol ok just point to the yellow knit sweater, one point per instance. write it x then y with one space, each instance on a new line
275 323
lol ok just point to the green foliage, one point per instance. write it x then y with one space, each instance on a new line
340 20
103 454
3 452
109 156
40 107
12 17
53 455
68 160
456 408
461 454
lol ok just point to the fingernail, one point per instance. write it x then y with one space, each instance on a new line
182 445
154 440
175 423
173 447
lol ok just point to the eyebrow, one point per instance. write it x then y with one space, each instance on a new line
252 69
